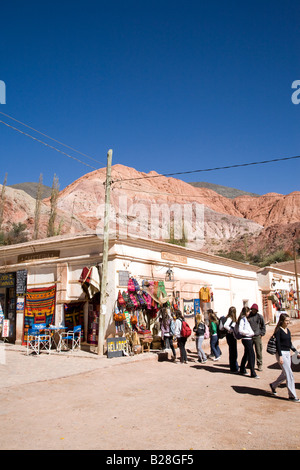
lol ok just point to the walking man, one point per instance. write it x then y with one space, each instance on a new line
257 323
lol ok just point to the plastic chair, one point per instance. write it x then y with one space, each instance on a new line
72 335
36 340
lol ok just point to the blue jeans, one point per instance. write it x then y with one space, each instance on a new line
214 344
201 353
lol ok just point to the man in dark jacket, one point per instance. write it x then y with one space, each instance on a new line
258 326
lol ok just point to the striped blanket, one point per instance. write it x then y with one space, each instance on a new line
39 308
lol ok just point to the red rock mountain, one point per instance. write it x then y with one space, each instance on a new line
151 205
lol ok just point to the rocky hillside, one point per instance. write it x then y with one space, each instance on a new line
166 208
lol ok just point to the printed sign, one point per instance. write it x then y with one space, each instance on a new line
7 280
115 347
5 329
21 282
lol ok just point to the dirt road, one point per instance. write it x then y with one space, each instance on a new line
80 402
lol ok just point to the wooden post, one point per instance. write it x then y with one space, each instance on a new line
103 309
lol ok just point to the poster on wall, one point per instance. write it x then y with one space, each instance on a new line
20 304
188 308
197 309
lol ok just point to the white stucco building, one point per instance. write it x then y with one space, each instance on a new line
60 261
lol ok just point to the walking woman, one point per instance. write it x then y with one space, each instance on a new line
231 341
181 341
246 331
199 329
214 340
166 332
283 356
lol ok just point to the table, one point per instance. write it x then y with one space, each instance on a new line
56 330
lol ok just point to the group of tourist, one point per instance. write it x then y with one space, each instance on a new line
249 326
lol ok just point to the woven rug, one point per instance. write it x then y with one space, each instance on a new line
39 308
74 315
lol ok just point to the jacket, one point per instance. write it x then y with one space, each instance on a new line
245 328
257 324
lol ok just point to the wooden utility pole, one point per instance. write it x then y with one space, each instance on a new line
296 276
103 309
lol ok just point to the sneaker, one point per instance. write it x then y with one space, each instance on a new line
255 376
204 360
295 400
216 358
245 373
273 390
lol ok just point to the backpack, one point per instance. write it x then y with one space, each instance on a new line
200 329
185 330
236 332
221 330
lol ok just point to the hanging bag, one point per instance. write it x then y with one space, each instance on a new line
271 346
131 286
119 316
121 300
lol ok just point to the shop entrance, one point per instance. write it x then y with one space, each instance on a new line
7 307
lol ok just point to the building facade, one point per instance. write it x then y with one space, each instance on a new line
56 268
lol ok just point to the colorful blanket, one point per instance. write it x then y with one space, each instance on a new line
39 308
74 315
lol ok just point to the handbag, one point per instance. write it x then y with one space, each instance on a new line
271 346
119 315
133 319
206 334
131 286
121 300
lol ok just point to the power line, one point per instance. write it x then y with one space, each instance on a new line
51 138
209 169
201 196
47 145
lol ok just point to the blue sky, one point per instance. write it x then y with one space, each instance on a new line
170 86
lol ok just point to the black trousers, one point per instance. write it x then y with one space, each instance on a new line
248 356
181 343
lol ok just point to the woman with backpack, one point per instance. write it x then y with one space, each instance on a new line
166 333
214 339
181 340
229 324
199 329
247 334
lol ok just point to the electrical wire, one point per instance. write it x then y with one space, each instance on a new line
51 138
208 169
47 145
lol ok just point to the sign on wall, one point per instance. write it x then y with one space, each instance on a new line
5 329
7 280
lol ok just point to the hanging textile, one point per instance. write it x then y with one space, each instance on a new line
204 294
39 308
90 281
74 315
